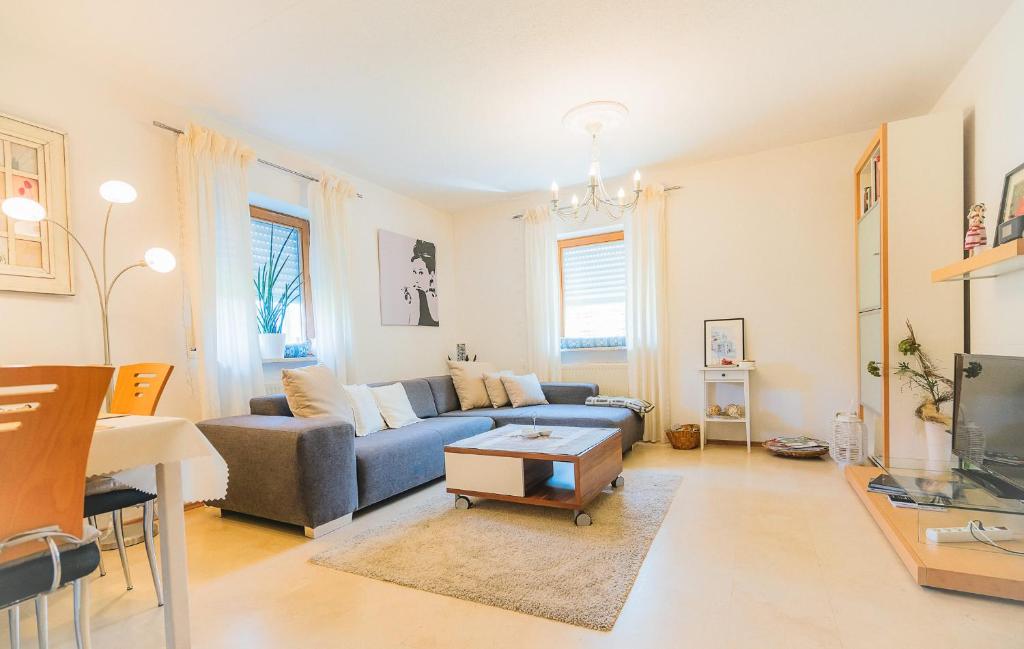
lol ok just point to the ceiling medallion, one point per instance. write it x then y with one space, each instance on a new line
593 118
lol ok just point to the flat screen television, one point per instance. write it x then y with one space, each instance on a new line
988 421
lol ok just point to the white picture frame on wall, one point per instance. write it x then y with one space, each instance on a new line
34 257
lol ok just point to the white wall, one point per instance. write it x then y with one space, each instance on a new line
989 92
110 136
767 237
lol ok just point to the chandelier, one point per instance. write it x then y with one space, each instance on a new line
593 118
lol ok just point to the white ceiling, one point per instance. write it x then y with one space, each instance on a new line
459 102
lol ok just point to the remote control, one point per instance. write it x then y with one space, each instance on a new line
963 534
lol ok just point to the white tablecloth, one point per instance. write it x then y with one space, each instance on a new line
128 448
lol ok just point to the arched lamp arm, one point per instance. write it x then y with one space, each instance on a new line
124 270
99 287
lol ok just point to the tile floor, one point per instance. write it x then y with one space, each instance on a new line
755 551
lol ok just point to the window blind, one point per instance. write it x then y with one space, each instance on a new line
594 290
265 233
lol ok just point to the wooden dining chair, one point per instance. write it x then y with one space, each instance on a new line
47 419
137 392
139 388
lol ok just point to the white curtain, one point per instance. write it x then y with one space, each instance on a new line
542 308
217 245
647 309
329 272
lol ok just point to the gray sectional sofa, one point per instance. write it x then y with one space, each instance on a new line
316 472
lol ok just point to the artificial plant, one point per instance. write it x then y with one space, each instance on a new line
270 310
924 376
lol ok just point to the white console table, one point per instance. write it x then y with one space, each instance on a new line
714 376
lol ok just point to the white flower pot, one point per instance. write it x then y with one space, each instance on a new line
272 345
939 443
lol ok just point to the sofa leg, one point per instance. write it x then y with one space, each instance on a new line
328 527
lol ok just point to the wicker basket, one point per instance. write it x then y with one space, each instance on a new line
685 437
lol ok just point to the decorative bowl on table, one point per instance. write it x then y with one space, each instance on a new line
796 447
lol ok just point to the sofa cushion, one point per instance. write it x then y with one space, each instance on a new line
272 405
443 389
392 461
524 390
420 396
452 429
624 419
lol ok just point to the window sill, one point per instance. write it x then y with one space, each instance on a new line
285 361
619 348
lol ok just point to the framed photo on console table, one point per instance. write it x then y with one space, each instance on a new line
723 341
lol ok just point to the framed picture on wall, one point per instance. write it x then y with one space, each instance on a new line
723 341
408 280
35 257
1012 204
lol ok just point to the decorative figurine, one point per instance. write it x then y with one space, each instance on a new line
976 228
734 410
715 411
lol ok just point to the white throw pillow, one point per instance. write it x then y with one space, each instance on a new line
496 389
314 391
524 390
365 413
469 383
394 406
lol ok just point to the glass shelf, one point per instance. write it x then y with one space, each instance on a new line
960 498
949 484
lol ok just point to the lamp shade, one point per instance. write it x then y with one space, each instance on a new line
160 260
118 191
23 209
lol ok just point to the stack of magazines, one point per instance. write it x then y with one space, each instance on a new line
885 484
799 443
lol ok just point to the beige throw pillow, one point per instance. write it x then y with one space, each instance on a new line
524 390
314 391
469 383
495 389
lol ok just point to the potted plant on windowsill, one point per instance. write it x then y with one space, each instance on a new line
924 377
272 302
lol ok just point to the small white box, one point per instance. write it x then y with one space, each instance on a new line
491 474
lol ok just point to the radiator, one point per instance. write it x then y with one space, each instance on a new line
611 377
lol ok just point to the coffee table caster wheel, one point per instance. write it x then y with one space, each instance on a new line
583 519
618 482
461 502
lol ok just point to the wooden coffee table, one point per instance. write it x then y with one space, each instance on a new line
505 464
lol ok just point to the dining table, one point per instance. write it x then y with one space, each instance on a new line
171 458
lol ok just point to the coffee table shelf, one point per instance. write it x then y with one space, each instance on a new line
503 465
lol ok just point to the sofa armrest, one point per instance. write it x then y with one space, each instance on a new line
289 469
570 393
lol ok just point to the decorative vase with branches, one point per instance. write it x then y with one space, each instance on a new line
272 305
920 373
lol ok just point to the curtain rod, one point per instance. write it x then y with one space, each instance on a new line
668 189
167 127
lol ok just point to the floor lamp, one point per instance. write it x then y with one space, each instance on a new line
112 191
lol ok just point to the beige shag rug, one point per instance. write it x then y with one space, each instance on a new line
519 557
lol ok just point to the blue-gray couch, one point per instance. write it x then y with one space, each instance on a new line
316 472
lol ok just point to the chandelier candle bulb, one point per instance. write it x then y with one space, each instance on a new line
622 195
636 181
575 201
554 191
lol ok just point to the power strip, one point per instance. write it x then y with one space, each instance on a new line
963 534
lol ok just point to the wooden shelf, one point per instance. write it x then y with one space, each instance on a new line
738 420
991 262
938 566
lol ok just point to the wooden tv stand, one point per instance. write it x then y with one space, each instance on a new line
949 568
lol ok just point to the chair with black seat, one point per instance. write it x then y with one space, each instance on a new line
137 392
47 419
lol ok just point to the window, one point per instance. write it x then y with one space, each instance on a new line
286 237
593 291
